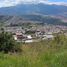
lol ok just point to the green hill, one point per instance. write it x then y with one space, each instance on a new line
48 53
19 20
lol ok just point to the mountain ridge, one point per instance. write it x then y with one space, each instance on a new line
34 8
24 19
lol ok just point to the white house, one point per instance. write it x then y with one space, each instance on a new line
48 37
29 37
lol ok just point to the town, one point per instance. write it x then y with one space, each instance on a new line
34 33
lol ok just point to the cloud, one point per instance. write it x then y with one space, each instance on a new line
56 3
8 3
5 3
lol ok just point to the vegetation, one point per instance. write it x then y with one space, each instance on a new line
47 53
27 20
7 43
44 19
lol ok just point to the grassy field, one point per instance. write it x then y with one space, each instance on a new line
41 54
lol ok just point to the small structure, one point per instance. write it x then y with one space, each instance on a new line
48 37
29 37
29 41
19 36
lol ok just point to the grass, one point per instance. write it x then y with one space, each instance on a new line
40 54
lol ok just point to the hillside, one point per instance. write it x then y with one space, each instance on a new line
31 18
35 8
40 54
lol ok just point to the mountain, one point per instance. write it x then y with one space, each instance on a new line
25 19
24 13
40 8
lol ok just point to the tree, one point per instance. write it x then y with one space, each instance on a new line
7 43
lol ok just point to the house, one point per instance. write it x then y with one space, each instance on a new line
48 36
29 41
19 36
29 37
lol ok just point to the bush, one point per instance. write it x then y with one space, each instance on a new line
7 43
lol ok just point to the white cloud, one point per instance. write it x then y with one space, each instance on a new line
56 3
8 3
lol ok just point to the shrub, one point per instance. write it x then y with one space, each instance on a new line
7 43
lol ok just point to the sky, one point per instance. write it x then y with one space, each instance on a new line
8 3
58 0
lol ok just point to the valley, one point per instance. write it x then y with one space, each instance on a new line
32 28
33 33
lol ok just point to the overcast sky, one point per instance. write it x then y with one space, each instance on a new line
6 3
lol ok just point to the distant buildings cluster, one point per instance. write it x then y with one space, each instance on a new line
34 34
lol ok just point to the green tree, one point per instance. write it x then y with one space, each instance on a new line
7 43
